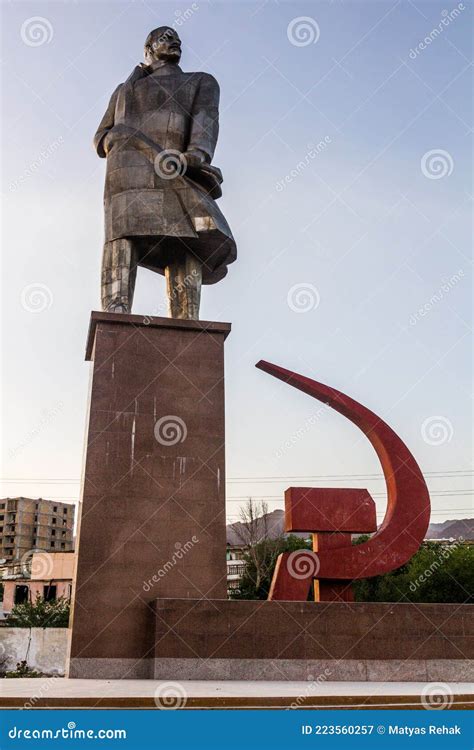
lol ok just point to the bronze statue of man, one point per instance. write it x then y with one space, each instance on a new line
159 134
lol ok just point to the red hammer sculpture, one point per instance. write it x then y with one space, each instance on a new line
332 515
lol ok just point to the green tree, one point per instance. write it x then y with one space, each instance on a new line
436 573
257 576
40 614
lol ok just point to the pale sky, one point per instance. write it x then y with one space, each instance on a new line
340 245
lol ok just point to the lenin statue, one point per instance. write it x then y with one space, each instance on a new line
159 134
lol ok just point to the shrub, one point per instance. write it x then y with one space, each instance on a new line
40 614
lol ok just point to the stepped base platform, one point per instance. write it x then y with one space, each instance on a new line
148 694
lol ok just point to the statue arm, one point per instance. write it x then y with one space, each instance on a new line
106 124
205 118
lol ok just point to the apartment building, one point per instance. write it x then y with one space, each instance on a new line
27 524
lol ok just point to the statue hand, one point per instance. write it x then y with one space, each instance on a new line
193 158
106 142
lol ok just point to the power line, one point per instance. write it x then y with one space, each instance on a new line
269 479
441 493
236 498
336 477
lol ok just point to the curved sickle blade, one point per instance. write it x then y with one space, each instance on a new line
408 506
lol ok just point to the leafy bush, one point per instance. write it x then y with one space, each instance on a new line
40 614
438 572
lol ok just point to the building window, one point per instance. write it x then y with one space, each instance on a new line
53 532
53 520
49 593
235 570
55 508
64 522
52 544
21 594
63 546
64 510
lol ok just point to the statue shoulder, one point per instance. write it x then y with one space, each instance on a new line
205 79
209 80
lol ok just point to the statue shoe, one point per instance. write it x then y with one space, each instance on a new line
118 308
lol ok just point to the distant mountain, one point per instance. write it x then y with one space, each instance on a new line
454 529
274 521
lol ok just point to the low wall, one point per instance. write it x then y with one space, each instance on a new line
44 649
280 640
219 639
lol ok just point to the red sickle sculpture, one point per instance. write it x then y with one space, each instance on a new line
408 502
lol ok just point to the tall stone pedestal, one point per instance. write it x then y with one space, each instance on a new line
153 504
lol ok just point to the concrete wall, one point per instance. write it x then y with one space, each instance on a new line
46 653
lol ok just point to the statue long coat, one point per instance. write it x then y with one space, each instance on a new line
160 107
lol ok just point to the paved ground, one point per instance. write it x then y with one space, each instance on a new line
60 692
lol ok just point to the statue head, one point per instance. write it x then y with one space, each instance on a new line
162 43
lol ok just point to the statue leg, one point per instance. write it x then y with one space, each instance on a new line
119 271
183 286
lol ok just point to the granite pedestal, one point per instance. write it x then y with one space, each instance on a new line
153 505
